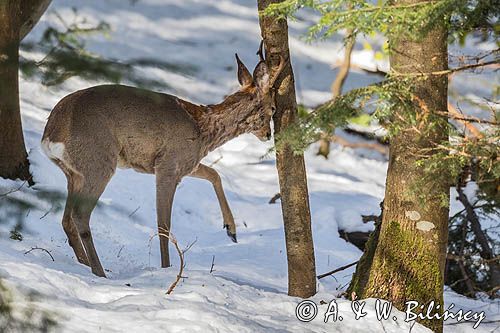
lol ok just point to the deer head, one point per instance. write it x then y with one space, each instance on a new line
259 86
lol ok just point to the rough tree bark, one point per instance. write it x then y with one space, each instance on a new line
291 167
31 12
13 157
409 257
17 18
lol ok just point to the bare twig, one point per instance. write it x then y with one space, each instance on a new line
41 249
457 282
336 270
149 245
190 245
493 291
454 114
374 71
494 63
46 213
352 11
213 263
170 236
120 251
216 161
13 190
275 198
181 267
135 211
464 118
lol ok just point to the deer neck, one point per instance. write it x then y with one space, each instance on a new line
219 123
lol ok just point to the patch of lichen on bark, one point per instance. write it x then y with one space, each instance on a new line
406 258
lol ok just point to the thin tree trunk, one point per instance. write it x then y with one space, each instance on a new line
13 157
409 259
31 12
17 18
291 167
486 251
324 144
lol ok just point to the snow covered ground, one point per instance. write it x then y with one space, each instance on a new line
246 292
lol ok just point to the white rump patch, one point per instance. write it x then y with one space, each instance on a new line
54 150
425 225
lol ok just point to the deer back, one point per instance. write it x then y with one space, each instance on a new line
138 125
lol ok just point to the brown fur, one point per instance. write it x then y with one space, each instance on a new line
93 131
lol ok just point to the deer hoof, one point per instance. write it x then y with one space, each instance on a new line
230 234
99 273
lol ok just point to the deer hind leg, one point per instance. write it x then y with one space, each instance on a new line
93 172
71 231
84 200
73 178
208 173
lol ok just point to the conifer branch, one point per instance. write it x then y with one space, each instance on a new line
449 71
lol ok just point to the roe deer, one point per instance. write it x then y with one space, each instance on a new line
92 131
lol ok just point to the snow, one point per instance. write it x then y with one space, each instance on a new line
246 292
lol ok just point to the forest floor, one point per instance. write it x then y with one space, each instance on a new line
226 287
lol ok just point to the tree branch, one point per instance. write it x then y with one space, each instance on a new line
451 70
337 270
338 83
384 7
171 237
454 114
469 119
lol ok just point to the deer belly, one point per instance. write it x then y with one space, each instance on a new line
138 162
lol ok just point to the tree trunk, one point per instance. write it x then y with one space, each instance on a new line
324 144
13 157
31 12
364 266
409 259
486 250
291 167
17 18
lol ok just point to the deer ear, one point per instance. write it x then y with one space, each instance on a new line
244 77
261 76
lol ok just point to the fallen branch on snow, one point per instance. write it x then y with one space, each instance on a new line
41 249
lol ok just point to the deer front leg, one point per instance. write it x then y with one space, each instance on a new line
166 183
205 172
